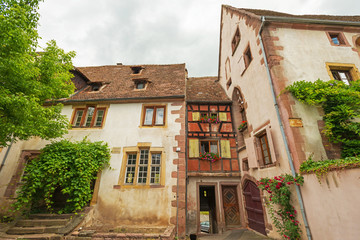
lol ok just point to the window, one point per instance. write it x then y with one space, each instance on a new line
236 40
337 39
143 168
154 116
88 117
343 76
136 70
197 146
240 104
265 149
260 149
140 84
228 84
247 57
343 72
209 146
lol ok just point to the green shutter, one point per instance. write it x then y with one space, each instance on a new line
193 148
225 148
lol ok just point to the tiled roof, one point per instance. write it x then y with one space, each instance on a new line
260 12
205 89
118 82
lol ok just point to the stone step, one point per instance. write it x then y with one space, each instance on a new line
51 216
32 230
41 222
38 237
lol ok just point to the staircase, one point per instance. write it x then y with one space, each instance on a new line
44 226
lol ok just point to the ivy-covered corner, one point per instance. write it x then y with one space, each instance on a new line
281 211
341 105
68 167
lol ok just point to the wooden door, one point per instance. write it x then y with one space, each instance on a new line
253 207
231 205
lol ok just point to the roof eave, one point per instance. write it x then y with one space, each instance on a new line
309 21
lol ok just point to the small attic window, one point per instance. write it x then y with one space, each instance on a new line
337 38
136 70
140 84
95 87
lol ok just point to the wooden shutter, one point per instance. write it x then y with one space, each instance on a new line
271 144
193 148
225 148
222 116
251 152
196 116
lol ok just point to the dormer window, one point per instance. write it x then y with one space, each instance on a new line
96 86
136 70
141 84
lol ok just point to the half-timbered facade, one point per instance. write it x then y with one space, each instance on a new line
212 164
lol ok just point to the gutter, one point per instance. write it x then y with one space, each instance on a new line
308 20
290 159
115 99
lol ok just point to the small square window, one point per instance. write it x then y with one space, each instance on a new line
336 38
343 76
154 116
207 146
136 70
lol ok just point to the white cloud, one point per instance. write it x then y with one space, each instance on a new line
154 32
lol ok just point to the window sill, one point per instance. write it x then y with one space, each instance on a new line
268 165
137 186
84 128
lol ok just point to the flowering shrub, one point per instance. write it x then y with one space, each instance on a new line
211 119
210 156
284 217
242 126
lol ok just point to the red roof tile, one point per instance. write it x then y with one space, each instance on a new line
205 89
118 82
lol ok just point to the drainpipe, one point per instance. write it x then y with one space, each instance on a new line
302 209
6 155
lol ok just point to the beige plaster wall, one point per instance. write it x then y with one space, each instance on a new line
305 54
130 206
332 205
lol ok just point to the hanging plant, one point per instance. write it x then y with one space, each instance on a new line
284 214
208 156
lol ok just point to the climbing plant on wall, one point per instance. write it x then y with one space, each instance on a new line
341 105
63 166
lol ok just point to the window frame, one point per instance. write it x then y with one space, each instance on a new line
235 40
154 116
351 69
84 117
248 57
264 136
340 36
137 176
209 141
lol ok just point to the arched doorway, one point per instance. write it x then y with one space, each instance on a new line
253 207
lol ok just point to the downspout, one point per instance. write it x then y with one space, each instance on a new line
6 155
298 192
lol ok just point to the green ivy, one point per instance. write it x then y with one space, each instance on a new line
321 168
341 104
63 166
284 214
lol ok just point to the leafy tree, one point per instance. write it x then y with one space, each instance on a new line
29 79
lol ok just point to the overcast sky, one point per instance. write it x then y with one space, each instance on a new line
106 32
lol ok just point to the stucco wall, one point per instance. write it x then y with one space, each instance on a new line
332 205
122 128
305 54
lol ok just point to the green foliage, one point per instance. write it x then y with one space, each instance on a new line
341 104
65 166
321 168
284 216
28 78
